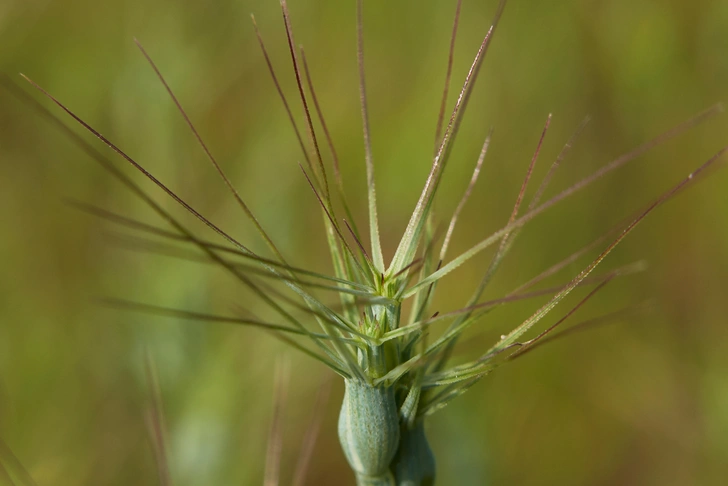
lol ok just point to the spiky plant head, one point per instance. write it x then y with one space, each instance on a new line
384 337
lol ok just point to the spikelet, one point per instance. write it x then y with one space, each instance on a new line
369 431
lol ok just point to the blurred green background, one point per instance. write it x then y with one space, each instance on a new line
641 402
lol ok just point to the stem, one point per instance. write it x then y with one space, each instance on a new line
385 480
414 464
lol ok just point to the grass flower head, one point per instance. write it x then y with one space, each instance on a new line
383 337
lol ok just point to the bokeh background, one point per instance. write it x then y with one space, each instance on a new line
643 401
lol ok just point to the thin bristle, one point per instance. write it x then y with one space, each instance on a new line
586 325
528 216
329 140
415 263
448 77
111 168
629 156
135 189
147 228
358 242
459 326
192 211
526 180
141 169
304 102
275 436
284 299
319 112
523 347
198 316
517 332
312 433
147 245
210 157
505 245
330 360
557 163
503 249
570 259
466 196
376 244
332 221
282 96
156 422
409 241
516 297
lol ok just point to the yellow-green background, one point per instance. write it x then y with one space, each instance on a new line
642 402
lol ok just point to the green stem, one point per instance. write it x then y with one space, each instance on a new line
414 464
385 480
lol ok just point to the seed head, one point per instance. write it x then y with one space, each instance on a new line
396 369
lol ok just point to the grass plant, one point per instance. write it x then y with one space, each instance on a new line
397 356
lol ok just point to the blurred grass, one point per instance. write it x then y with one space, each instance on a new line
633 403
